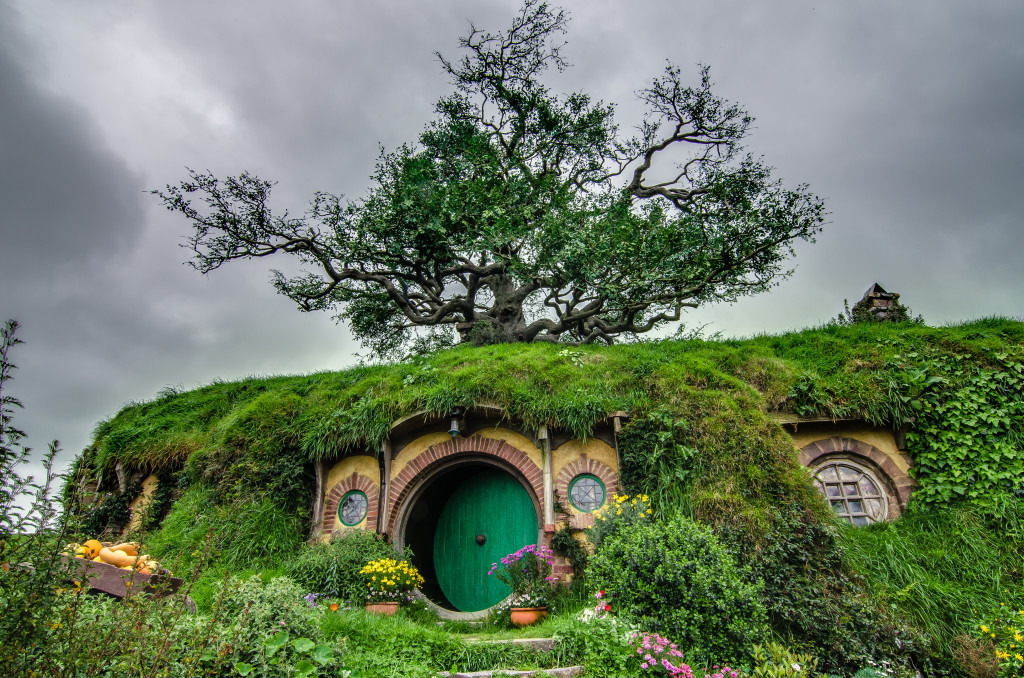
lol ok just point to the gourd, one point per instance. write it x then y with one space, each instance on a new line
118 558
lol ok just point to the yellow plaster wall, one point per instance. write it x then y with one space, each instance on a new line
419 445
595 449
364 465
140 502
878 437
414 449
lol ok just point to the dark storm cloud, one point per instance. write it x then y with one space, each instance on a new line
67 204
905 116
64 198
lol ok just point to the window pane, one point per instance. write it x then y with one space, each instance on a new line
828 473
587 493
353 508
838 507
832 490
856 506
850 490
859 520
867 488
849 473
874 508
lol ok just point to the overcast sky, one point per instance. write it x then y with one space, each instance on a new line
906 116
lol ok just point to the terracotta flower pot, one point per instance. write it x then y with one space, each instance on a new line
382 608
525 616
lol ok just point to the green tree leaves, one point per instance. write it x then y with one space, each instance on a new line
525 211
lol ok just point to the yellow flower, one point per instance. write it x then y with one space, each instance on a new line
1018 657
1019 638
984 629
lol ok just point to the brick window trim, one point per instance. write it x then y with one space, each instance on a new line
582 466
837 448
343 487
424 464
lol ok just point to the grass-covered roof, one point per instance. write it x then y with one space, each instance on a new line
878 372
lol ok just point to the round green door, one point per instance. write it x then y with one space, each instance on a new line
488 516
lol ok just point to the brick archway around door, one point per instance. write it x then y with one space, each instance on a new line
343 487
592 467
851 447
424 463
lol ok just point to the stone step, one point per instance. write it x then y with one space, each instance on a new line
564 672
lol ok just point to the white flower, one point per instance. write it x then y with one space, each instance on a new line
796 667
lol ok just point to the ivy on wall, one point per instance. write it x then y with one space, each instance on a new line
968 437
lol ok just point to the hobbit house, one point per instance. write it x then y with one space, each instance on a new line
466 490
470 454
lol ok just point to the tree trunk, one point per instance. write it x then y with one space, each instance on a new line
504 322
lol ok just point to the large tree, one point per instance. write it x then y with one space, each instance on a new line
522 215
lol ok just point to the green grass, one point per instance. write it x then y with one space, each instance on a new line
330 413
942 569
399 646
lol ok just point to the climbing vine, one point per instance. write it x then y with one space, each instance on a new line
968 437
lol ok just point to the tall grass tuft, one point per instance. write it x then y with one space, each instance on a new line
942 568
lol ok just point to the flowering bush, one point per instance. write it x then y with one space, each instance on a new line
1005 631
389 580
528 573
659 656
622 511
600 610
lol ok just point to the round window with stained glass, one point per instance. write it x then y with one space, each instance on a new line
853 492
586 492
352 508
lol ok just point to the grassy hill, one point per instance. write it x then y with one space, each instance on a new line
235 457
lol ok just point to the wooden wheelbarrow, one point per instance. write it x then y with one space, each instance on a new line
113 581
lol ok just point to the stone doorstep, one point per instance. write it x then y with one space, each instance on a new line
564 672
535 644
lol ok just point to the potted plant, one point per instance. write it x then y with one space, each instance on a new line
528 573
388 582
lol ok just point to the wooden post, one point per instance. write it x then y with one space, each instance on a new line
316 530
544 443
384 496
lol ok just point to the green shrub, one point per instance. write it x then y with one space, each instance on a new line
600 643
332 568
813 598
263 609
675 578
774 660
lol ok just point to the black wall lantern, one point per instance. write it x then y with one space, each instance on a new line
456 426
